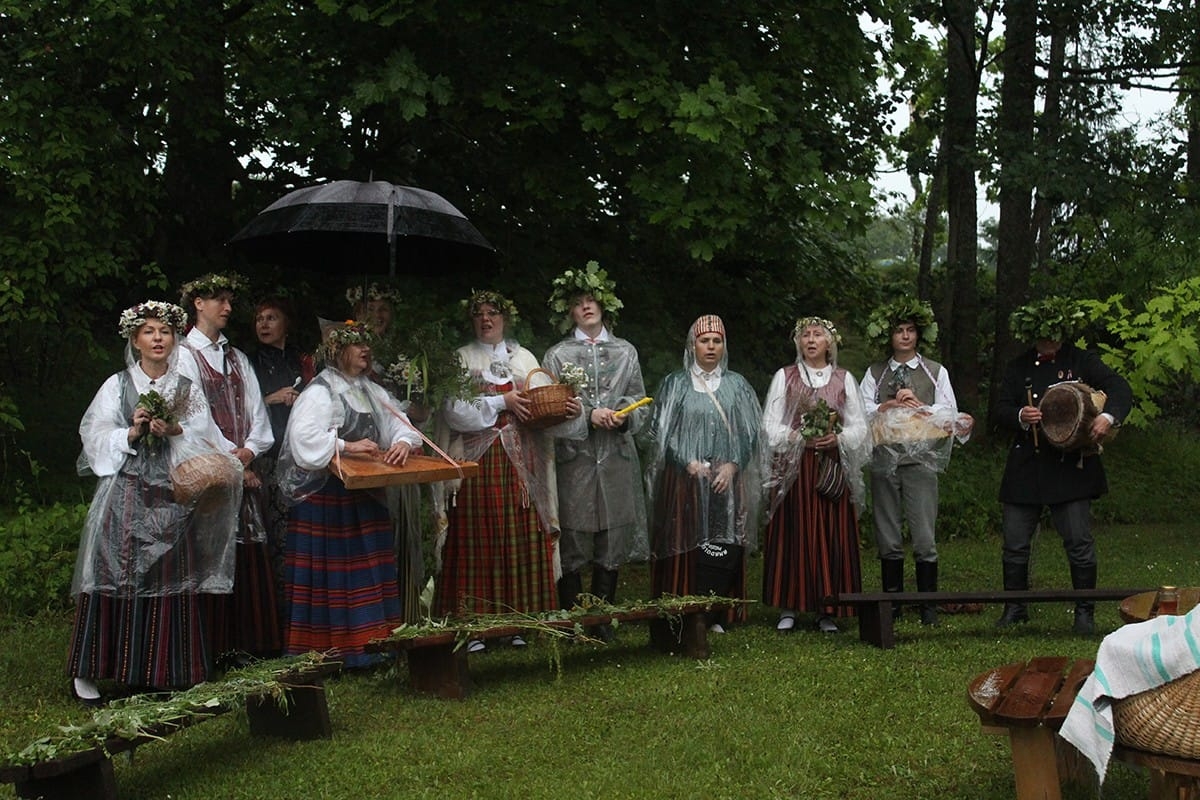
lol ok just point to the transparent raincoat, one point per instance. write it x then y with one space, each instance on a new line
332 406
599 475
137 541
795 391
466 429
696 429
924 435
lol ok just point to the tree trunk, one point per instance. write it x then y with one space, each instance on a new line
960 349
1051 124
933 214
1191 81
1015 121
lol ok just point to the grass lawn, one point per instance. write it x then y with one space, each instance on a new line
800 715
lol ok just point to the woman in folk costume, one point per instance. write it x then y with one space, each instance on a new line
817 432
145 560
703 477
341 572
248 621
498 550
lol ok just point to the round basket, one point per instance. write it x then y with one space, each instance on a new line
204 481
1165 719
548 403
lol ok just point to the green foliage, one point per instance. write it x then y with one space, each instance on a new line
1156 348
1053 318
591 280
37 557
884 319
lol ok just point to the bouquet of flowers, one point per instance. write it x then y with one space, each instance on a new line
821 420
574 376
168 410
406 373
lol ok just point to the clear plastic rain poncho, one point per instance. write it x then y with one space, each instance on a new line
599 475
137 540
701 422
797 390
904 436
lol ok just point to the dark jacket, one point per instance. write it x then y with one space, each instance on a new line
1047 475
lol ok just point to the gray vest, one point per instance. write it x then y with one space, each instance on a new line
922 380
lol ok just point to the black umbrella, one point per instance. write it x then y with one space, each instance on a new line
362 227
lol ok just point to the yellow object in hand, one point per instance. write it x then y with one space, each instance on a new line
633 406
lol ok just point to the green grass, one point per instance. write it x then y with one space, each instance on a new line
768 716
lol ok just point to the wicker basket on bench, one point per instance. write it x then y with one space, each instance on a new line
548 403
1165 719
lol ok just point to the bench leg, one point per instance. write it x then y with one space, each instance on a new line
1035 766
875 624
91 781
306 716
1170 786
440 670
688 632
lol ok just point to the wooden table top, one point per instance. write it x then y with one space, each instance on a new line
1141 607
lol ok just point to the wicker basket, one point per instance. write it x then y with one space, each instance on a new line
548 403
204 481
1165 719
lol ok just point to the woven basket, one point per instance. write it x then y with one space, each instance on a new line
204 481
548 403
1165 719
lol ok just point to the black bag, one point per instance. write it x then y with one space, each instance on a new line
831 478
718 565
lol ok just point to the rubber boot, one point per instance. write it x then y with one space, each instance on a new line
927 581
604 586
1084 577
1016 578
569 587
892 576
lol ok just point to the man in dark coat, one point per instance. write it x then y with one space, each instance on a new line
1037 474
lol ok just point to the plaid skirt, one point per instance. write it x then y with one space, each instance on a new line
340 583
496 558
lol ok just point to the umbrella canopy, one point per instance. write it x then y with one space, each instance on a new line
372 226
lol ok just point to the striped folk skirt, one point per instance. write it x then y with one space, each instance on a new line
811 547
340 574
496 559
144 642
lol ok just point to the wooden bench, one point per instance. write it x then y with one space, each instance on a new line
87 774
438 661
875 624
1029 701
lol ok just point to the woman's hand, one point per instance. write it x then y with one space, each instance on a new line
518 404
699 469
725 475
361 447
827 442
243 455
287 395
141 421
397 454
161 428
250 479
574 408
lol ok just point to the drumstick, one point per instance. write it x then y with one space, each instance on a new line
632 406
1029 400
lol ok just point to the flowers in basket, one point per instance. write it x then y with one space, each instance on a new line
574 376
819 421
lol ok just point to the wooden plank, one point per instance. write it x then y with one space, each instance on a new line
987 689
876 624
363 472
1035 769
990 596
1028 699
1080 670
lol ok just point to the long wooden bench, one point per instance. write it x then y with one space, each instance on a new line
299 714
438 660
1029 701
875 624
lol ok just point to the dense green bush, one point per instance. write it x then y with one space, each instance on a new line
37 557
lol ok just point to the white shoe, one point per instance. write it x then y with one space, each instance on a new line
517 641
787 621
476 646
826 625
716 627
86 690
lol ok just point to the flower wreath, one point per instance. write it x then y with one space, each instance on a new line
591 280
482 297
211 285
804 322
1054 318
135 317
884 320
375 291
349 332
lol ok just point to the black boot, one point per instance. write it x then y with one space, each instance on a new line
892 575
604 586
569 587
1016 578
927 581
1084 577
